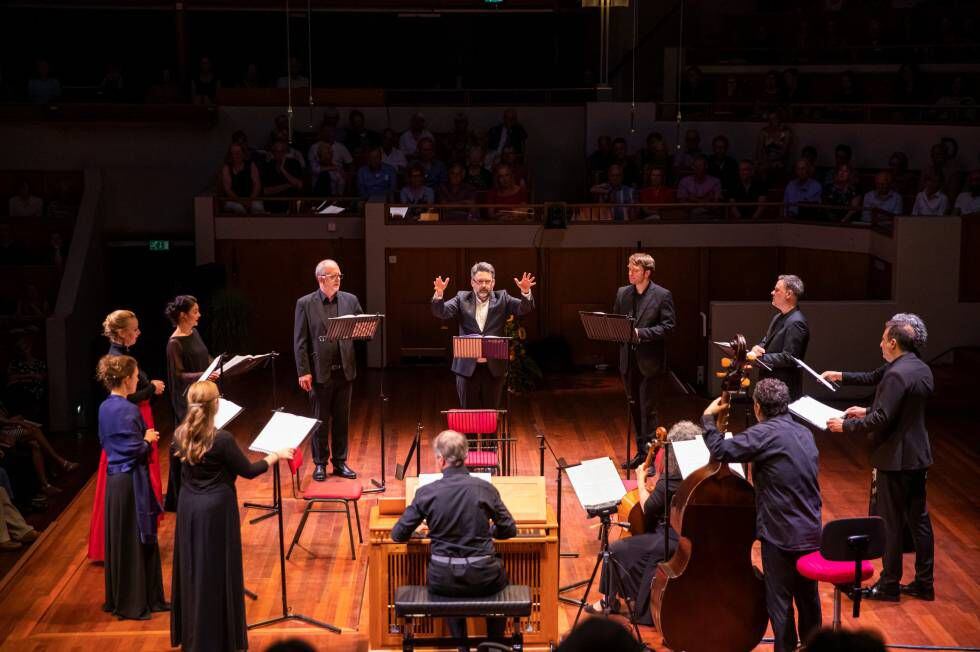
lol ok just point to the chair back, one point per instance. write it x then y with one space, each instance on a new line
481 422
295 465
852 539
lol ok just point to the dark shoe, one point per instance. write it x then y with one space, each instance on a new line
160 608
320 472
344 471
876 592
602 608
920 591
637 460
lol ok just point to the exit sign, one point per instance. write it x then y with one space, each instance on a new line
159 245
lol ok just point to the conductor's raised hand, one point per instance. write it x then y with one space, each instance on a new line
525 283
440 285
306 382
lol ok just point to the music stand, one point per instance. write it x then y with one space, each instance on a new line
364 328
286 614
416 450
604 327
489 347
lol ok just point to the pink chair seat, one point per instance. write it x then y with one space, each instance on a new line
481 459
630 485
333 491
815 567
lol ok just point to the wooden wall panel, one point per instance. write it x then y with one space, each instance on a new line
969 266
741 273
829 275
679 270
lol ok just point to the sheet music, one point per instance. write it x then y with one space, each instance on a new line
814 412
692 454
235 361
364 325
596 482
210 370
813 373
284 430
226 412
398 211
429 478
332 209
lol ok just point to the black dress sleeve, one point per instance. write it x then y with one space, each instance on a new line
176 359
234 459
144 390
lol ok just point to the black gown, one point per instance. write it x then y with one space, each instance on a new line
187 358
208 592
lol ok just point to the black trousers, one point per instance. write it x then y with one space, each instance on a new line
901 502
784 586
643 392
469 580
331 405
482 390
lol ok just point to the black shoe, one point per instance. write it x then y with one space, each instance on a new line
344 471
320 472
876 592
918 590
637 460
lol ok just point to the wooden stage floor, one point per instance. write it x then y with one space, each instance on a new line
51 599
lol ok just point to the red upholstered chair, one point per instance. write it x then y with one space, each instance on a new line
343 493
489 450
846 545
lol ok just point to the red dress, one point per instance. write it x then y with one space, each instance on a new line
96 532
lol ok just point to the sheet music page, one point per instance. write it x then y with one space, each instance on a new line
736 467
692 454
398 211
814 412
226 412
805 367
284 430
235 361
330 210
210 369
596 482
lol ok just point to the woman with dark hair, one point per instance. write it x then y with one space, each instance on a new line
187 358
208 590
133 577
122 329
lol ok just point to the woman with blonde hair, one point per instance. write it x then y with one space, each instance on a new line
208 590
122 329
133 577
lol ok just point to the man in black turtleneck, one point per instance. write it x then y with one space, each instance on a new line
787 337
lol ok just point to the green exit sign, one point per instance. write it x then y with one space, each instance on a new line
493 2
159 245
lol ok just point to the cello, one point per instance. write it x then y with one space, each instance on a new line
630 510
708 597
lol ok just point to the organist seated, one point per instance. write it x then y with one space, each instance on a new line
458 510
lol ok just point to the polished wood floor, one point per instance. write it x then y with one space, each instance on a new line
51 599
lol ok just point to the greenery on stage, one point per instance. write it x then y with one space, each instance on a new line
523 373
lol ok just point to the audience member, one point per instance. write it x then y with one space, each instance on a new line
456 191
280 125
205 85
509 157
656 191
692 149
773 148
251 153
803 189
27 377
294 76
408 143
944 166
376 179
240 183
415 192
477 176
722 166
732 101
43 88
931 200
508 132
63 203
330 180
910 87
435 170
14 530
340 154
747 190
16 431
957 96
847 98
457 142
600 160
770 95
252 78
358 139
391 155
112 88
883 201
615 191
695 89
791 91
842 192
621 157
282 136
600 634
281 177
809 152
699 187
828 640
842 156
507 192
656 154
165 90
904 181
25 204
968 201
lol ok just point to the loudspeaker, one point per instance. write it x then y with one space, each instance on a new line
556 216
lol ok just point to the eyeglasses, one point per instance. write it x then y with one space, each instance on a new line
332 277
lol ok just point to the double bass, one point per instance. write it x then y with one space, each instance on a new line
708 597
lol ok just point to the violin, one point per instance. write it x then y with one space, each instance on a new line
630 510
708 596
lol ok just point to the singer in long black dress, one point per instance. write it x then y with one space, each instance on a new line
208 591
187 358
133 577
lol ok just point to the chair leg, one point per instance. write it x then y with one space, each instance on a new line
357 515
299 530
836 623
350 531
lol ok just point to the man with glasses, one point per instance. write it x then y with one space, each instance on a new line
482 311
326 368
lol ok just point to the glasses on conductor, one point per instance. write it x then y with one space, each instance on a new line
332 277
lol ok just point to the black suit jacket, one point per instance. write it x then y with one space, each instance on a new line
654 319
463 307
895 422
309 324
787 336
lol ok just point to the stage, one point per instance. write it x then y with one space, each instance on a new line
52 598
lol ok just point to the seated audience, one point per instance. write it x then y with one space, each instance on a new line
748 189
340 155
621 157
18 432
240 183
968 201
281 177
376 179
507 192
435 170
43 88
14 530
842 192
903 181
358 139
842 156
656 154
773 147
946 168
656 191
408 143
722 166
803 189
883 201
457 142
931 200
509 157
600 160
477 176
330 180
391 155
692 149
809 152
251 153
456 191
24 204
696 89
509 132
615 191
699 187
204 84
415 192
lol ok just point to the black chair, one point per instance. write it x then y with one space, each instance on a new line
846 545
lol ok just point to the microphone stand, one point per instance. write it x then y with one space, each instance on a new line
560 466
379 485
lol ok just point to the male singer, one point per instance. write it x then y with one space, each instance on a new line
326 368
786 338
482 311
652 309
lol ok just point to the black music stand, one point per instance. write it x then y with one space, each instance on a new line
604 327
365 327
560 466
286 614
416 450
489 347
